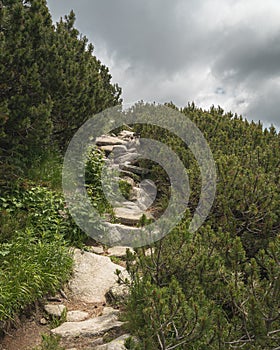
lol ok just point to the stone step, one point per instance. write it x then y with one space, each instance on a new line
90 328
106 140
128 157
130 214
134 169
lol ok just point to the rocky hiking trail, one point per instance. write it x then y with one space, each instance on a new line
89 306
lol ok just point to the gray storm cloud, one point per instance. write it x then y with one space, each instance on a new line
210 52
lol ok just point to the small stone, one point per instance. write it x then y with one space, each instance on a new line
119 251
96 250
126 135
76 316
120 149
43 321
129 180
54 310
118 293
116 344
149 251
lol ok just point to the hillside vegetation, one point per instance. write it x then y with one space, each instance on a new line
217 288
50 83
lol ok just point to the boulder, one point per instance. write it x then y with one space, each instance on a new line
93 276
96 249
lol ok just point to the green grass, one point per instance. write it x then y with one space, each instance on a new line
35 258
30 268
49 342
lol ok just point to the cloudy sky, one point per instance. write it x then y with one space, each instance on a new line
221 52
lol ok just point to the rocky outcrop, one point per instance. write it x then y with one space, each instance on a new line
94 281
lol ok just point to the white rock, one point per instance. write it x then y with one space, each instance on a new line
107 149
54 309
120 234
130 214
119 251
89 328
96 250
105 140
119 292
110 310
76 316
43 321
116 344
126 134
93 276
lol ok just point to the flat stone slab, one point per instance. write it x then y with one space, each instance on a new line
116 344
119 234
96 249
119 251
76 316
55 309
134 169
128 157
119 149
89 328
93 276
109 141
107 149
128 215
